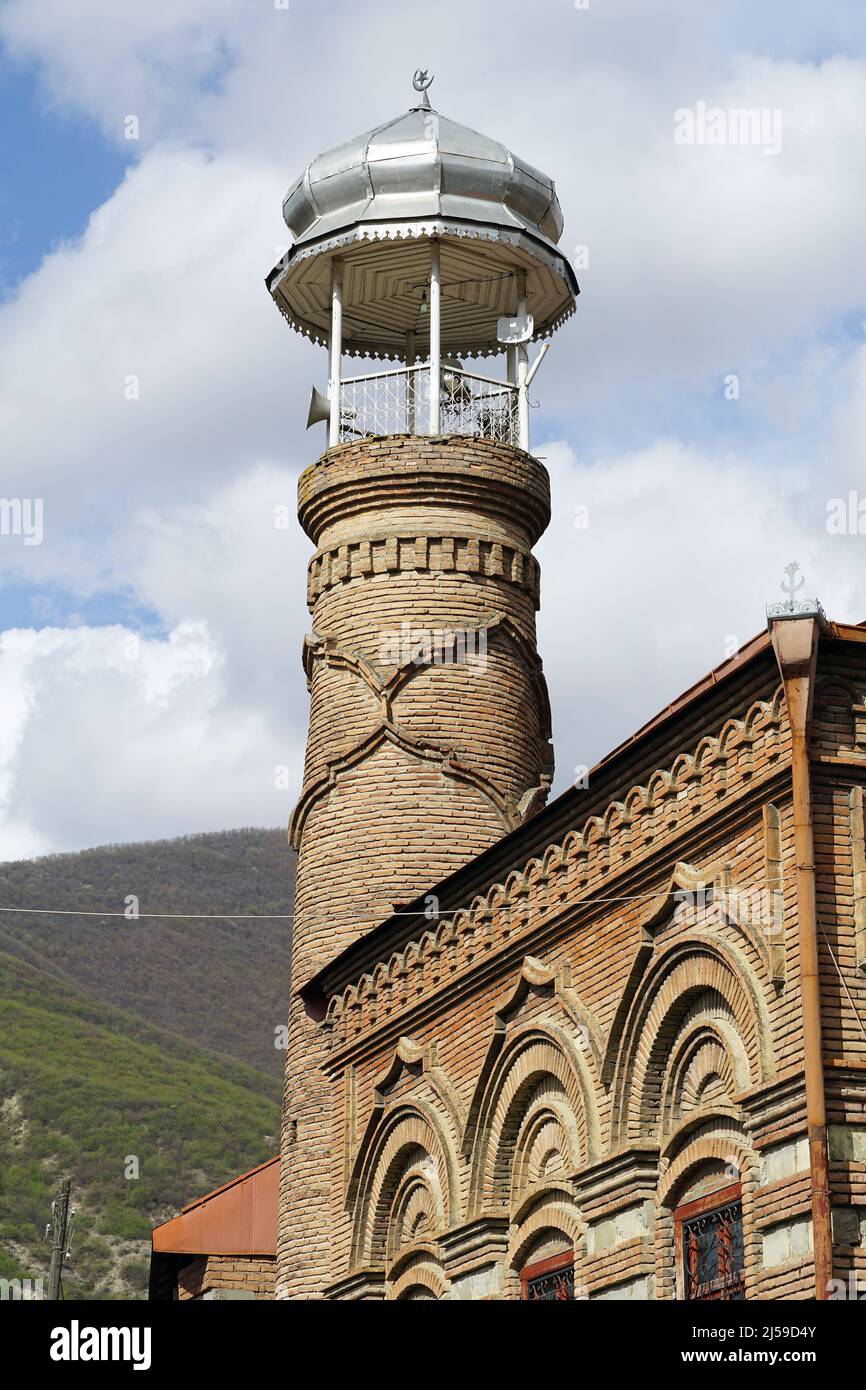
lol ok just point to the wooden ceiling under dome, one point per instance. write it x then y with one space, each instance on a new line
386 281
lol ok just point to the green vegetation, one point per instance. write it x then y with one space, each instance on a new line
84 1090
147 1040
221 984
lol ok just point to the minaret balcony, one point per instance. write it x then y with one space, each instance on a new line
397 401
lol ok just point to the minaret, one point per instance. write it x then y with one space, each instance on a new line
421 243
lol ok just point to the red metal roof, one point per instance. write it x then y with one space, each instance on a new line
239 1218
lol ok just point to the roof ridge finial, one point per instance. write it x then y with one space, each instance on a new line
421 82
794 607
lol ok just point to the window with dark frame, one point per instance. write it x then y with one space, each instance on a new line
548 1280
709 1236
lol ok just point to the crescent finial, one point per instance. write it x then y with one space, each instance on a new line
421 81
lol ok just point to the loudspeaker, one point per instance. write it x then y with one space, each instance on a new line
320 408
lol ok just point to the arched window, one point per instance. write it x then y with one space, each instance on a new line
709 1238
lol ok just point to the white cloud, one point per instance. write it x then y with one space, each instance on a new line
682 552
110 737
110 60
229 561
153 345
703 261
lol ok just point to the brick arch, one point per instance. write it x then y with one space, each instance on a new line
696 1153
420 1272
537 1072
415 1210
707 1062
693 979
826 686
542 1147
837 702
409 1150
552 1215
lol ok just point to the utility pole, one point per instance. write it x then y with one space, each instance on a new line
59 1215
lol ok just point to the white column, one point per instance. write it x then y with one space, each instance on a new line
410 382
336 346
435 335
522 369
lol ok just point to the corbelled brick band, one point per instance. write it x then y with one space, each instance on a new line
429 728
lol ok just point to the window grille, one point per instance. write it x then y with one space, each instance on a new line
549 1280
710 1241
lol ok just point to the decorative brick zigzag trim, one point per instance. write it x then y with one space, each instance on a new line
386 689
320 646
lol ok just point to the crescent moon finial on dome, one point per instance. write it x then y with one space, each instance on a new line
421 81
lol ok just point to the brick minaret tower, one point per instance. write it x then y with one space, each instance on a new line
421 242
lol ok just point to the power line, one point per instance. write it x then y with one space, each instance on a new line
168 916
290 916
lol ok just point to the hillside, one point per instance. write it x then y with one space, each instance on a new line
84 1087
223 985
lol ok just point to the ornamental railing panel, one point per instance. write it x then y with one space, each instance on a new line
398 402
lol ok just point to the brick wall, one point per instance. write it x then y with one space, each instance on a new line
570 1049
221 1276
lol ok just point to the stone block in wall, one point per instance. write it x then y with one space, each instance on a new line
480 1283
847 1142
630 1289
790 1240
631 1222
784 1160
847 1229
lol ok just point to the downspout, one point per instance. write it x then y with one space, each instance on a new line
795 641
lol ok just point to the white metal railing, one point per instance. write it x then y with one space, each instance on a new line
397 401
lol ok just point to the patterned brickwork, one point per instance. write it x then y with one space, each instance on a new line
429 725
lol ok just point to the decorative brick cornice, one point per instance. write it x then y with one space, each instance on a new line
619 1179
360 1284
425 555
485 1238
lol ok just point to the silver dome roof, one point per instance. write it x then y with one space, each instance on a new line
421 165
379 199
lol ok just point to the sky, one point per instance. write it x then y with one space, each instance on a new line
703 410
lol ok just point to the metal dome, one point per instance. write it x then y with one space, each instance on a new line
421 165
379 199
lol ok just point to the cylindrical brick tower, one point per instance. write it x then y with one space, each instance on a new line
429 731
429 724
